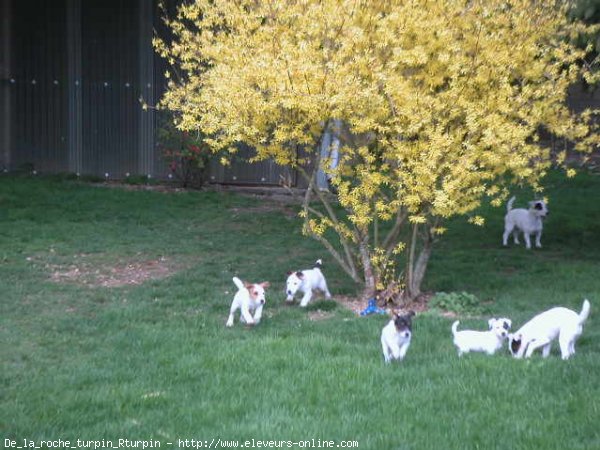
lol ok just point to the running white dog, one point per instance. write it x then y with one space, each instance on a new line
529 221
559 322
306 281
396 336
250 298
481 341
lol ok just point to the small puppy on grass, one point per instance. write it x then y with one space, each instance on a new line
559 322
250 298
506 323
529 221
396 336
481 341
306 281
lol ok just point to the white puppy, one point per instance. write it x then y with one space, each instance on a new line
529 221
561 323
481 341
396 336
506 323
306 281
250 298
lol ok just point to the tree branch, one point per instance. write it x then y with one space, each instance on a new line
390 239
330 213
351 271
411 259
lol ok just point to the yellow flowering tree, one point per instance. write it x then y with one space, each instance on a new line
437 105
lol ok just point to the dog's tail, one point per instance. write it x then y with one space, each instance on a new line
585 311
510 203
238 283
455 327
318 263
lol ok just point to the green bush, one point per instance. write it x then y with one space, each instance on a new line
457 302
185 153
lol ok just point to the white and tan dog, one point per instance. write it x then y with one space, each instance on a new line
250 298
306 281
559 322
481 341
396 337
529 221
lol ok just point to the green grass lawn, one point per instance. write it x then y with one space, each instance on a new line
113 304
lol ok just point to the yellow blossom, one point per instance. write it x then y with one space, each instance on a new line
437 106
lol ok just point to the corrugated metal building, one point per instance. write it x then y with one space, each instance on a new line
72 73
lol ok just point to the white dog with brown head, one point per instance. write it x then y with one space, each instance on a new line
249 299
396 336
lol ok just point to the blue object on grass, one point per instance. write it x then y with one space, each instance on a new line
372 308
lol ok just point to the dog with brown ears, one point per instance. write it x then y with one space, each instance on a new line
396 337
249 299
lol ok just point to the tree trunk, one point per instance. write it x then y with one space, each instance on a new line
369 273
416 270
